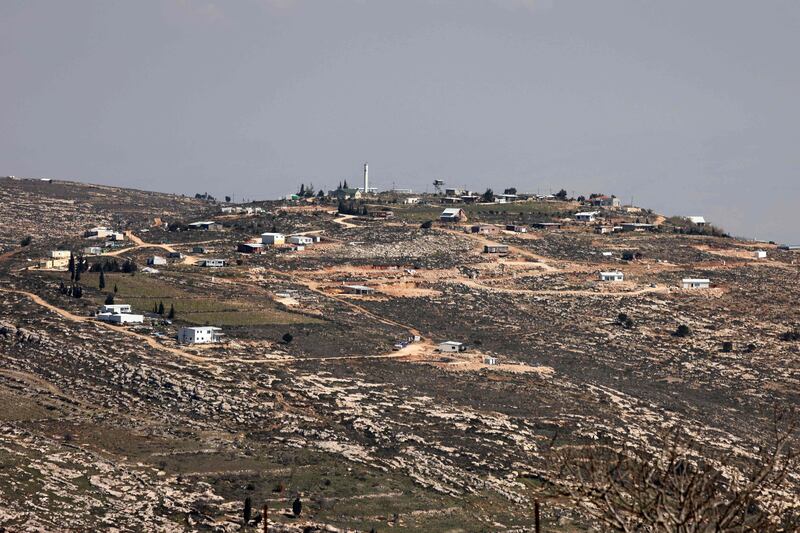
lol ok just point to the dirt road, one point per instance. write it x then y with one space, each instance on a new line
342 219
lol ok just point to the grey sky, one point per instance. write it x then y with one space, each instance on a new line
688 107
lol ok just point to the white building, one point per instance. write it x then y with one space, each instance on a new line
411 201
301 239
700 221
359 289
614 275
586 216
92 250
116 308
156 260
199 334
273 238
100 232
453 214
760 254
696 283
213 263
489 360
60 254
120 318
451 346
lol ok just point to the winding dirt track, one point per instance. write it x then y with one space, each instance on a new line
342 219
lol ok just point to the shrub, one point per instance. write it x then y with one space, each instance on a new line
26 241
683 331
727 346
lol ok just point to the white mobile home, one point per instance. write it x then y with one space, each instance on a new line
359 289
273 238
451 346
199 334
213 263
696 283
614 275
156 260
587 216
453 214
99 232
301 239
760 254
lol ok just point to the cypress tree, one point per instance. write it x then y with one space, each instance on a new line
160 308
102 282
248 509
171 314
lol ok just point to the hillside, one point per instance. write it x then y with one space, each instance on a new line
120 425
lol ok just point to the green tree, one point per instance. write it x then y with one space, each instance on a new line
109 299
26 241
101 284
171 314
115 289
160 308
488 196
287 338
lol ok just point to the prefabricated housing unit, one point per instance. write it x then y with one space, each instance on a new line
120 318
516 229
116 308
60 254
359 289
495 249
301 239
451 346
250 248
587 216
453 214
696 283
273 238
213 262
199 334
760 254
156 260
614 275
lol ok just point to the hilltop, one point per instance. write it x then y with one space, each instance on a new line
332 384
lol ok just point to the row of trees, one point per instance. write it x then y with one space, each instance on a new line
159 309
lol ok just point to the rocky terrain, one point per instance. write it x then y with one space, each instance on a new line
120 427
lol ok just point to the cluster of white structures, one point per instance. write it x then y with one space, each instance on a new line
118 314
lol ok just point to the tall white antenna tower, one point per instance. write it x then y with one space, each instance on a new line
366 178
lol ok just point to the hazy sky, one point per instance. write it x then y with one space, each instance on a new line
688 107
